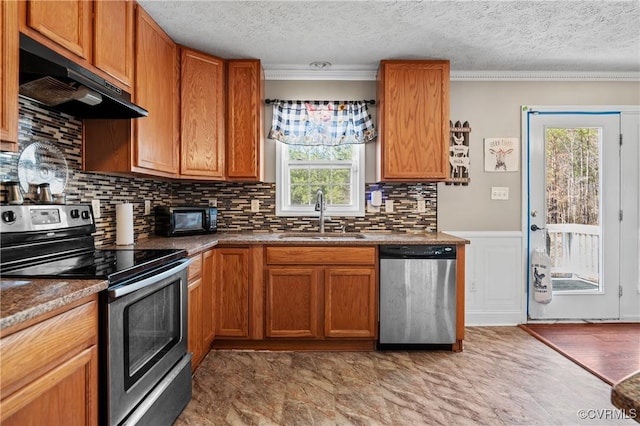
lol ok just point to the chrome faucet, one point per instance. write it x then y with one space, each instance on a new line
320 206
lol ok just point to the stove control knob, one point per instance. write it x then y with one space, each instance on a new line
9 216
75 214
85 215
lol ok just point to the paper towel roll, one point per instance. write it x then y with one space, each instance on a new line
124 224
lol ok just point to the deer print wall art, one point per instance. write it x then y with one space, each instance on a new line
501 154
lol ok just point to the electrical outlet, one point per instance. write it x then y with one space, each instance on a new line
371 208
95 205
421 206
388 206
499 193
147 207
255 206
213 202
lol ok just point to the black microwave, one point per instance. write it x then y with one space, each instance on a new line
176 221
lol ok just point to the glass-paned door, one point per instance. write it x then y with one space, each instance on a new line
574 200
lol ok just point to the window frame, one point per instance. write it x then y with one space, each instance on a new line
357 208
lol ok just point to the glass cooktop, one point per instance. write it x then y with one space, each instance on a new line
111 265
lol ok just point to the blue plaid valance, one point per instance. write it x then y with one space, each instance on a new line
321 123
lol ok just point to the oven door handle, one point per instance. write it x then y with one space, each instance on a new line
154 279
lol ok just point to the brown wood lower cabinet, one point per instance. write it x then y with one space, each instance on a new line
208 299
336 300
232 282
350 302
201 306
292 302
194 339
50 369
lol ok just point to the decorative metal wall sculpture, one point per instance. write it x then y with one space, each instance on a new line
459 153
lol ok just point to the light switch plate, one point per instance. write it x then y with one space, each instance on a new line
421 206
95 205
499 193
255 206
388 206
147 207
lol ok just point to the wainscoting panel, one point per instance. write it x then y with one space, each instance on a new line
495 279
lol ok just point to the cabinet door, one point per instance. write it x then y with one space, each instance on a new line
413 120
201 115
194 341
66 23
292 302
66 395
113 39
350 302
49 369
245 153
156 89
9 76
232 288
208 300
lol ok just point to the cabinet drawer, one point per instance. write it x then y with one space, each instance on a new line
29 353
325 255
195 268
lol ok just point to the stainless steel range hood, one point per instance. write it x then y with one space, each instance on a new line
55 81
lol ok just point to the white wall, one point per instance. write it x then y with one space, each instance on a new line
494 278
493 110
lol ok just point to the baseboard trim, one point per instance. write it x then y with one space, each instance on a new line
509 318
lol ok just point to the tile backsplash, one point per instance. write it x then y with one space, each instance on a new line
39 124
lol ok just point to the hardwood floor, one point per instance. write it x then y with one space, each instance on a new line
503 377
610 351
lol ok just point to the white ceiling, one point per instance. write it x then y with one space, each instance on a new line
575 36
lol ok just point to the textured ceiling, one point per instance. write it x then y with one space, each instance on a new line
473 35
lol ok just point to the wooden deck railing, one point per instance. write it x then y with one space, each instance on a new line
574 250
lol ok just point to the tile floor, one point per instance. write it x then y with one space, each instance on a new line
503 377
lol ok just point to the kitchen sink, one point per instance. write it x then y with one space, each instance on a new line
321 236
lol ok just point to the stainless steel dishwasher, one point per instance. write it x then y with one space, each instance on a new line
417 295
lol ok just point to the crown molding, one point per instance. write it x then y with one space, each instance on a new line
545 76
370 75
332 74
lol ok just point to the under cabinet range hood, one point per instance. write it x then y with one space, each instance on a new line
55 81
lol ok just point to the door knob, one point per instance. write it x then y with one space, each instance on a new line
535 227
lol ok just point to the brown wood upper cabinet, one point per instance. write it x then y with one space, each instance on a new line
202 113
413 120
9 76
113 39
244 151
148 145
64 26
156 90
97 34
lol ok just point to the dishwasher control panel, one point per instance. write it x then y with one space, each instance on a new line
418 252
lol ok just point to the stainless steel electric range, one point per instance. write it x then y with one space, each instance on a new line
145 369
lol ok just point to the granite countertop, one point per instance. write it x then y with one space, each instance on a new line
626 395
23 299
197 244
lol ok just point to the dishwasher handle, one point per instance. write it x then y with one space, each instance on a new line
417 252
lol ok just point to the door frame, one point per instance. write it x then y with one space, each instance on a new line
525 207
